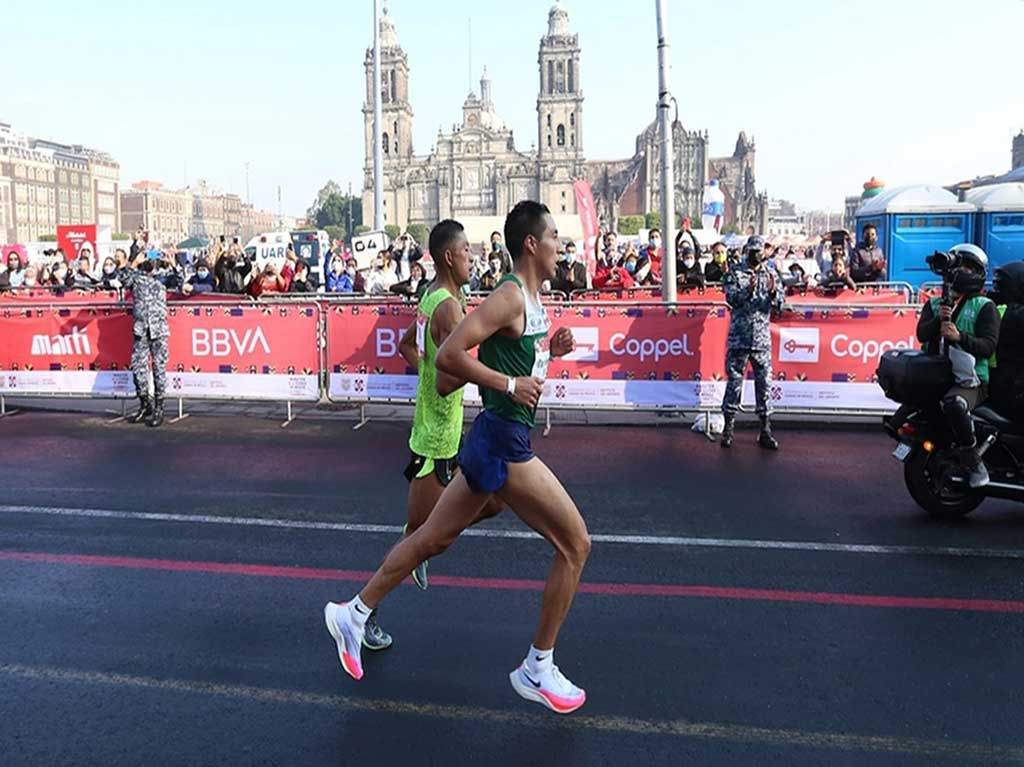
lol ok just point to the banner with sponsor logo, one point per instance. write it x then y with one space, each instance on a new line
245 352
588 221
646 356
76 351
827 358
640 356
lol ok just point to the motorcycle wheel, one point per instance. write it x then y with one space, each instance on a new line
925 477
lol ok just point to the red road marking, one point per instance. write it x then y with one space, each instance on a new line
513 584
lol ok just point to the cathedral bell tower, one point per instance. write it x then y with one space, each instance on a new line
559 114
396 111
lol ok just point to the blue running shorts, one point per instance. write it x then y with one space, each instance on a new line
492 444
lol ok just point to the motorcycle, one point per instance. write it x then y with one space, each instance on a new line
932 468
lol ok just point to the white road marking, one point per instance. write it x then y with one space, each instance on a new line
479 532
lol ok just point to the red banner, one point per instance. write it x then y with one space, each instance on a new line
588 219
70 239
867 295
251 352
59 296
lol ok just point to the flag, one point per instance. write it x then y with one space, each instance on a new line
588 218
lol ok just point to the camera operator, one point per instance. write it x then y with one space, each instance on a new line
968 323
1007 371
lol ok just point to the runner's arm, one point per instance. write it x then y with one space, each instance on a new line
445 319
499 311
407 347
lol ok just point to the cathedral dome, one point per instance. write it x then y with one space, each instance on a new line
558 21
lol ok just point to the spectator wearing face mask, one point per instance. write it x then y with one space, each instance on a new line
108 274
61 276
648 270
570 272
406 253
14 277
31 277
82 278
382 276
797 277
610 248
867 261
338 279
202 280
688 273
611 275
718 266
415 286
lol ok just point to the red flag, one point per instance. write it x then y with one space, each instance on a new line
588 218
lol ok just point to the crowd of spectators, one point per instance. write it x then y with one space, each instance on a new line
401 269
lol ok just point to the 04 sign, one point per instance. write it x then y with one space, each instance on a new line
366 246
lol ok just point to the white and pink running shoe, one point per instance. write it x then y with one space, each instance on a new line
347 635
548 687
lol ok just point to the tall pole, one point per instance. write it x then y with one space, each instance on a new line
668 183
378 157
350 210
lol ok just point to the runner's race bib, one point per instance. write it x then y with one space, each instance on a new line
541 358
421 335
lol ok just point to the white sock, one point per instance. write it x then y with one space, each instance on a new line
539 660
358 610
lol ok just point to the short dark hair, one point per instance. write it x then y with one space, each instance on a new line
871 226
495 232
654 230
525 219
441 237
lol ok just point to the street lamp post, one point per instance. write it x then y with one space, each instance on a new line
668 203
378 157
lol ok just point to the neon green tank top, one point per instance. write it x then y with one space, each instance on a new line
437 423
527 355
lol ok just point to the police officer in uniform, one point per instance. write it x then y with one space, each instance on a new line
752 294
151 332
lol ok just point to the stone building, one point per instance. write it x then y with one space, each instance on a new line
1018 151
476 171
165 213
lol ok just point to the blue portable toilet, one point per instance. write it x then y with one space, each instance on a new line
913 222
999 222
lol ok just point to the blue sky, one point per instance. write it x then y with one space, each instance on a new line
834 92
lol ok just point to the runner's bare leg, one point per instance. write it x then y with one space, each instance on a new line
456 510
425 492
538 498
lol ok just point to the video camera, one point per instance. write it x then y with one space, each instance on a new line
944 264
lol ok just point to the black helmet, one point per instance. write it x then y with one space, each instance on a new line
1008 287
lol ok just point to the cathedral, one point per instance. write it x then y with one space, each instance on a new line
476 171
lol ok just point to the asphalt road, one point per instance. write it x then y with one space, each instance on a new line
162 594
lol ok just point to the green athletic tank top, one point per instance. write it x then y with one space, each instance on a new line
527 355
437 422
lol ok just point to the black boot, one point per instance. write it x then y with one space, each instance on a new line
156 418
765 438
729 431
144 412
977 475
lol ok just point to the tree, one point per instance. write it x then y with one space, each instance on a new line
652 221
331 187
420 233
335 232
361 229
630 224
333 208
47 238
392 231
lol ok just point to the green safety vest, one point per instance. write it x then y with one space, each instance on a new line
965 323
1002 313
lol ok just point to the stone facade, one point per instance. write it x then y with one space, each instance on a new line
1018 151
475 170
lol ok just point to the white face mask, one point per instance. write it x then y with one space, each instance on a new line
351 271
203 274
688 262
